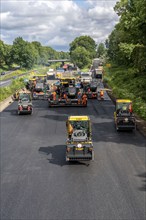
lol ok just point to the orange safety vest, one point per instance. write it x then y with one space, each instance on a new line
84 99
64 96
101 93
54 95
70 129
130 108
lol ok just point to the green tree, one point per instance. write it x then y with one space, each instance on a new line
8 55
84 41
101 50
5 57
81 57
129 34
23 53
2 53
82 47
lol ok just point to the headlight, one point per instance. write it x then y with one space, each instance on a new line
79 145
126 119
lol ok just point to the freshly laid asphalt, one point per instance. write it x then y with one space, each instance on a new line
38 184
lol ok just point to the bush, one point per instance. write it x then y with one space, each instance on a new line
128 84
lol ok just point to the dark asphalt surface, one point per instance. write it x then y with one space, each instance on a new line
37 183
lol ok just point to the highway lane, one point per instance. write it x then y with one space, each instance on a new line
5 83
37 183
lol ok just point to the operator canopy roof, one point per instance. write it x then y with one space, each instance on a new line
123 100
79 118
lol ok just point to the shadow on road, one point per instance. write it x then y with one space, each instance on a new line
143 176
57 154
106 132
11 111
56 117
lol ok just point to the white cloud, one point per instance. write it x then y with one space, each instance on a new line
57 40
56 23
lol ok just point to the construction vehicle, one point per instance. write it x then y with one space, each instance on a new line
85 77
62 99
66 81
79 144
67 94
25 103
98 74
59 73
31 84
38 91
91 90
40 88
123 115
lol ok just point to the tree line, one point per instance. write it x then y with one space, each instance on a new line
82 51
127 42
26 54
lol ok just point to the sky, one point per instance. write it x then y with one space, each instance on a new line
56 23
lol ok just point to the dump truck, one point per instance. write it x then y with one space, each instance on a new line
79 145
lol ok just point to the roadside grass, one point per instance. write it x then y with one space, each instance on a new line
16 73
128 84
16 84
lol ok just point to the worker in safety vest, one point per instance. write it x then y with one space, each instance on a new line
79 96
130 108
70 129
54 95
84 99
101 94
65 96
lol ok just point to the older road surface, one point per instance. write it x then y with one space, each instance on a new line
38 184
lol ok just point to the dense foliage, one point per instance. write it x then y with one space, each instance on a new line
82 51
127 42
9 90
128 84
101 50
26 54
127 53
